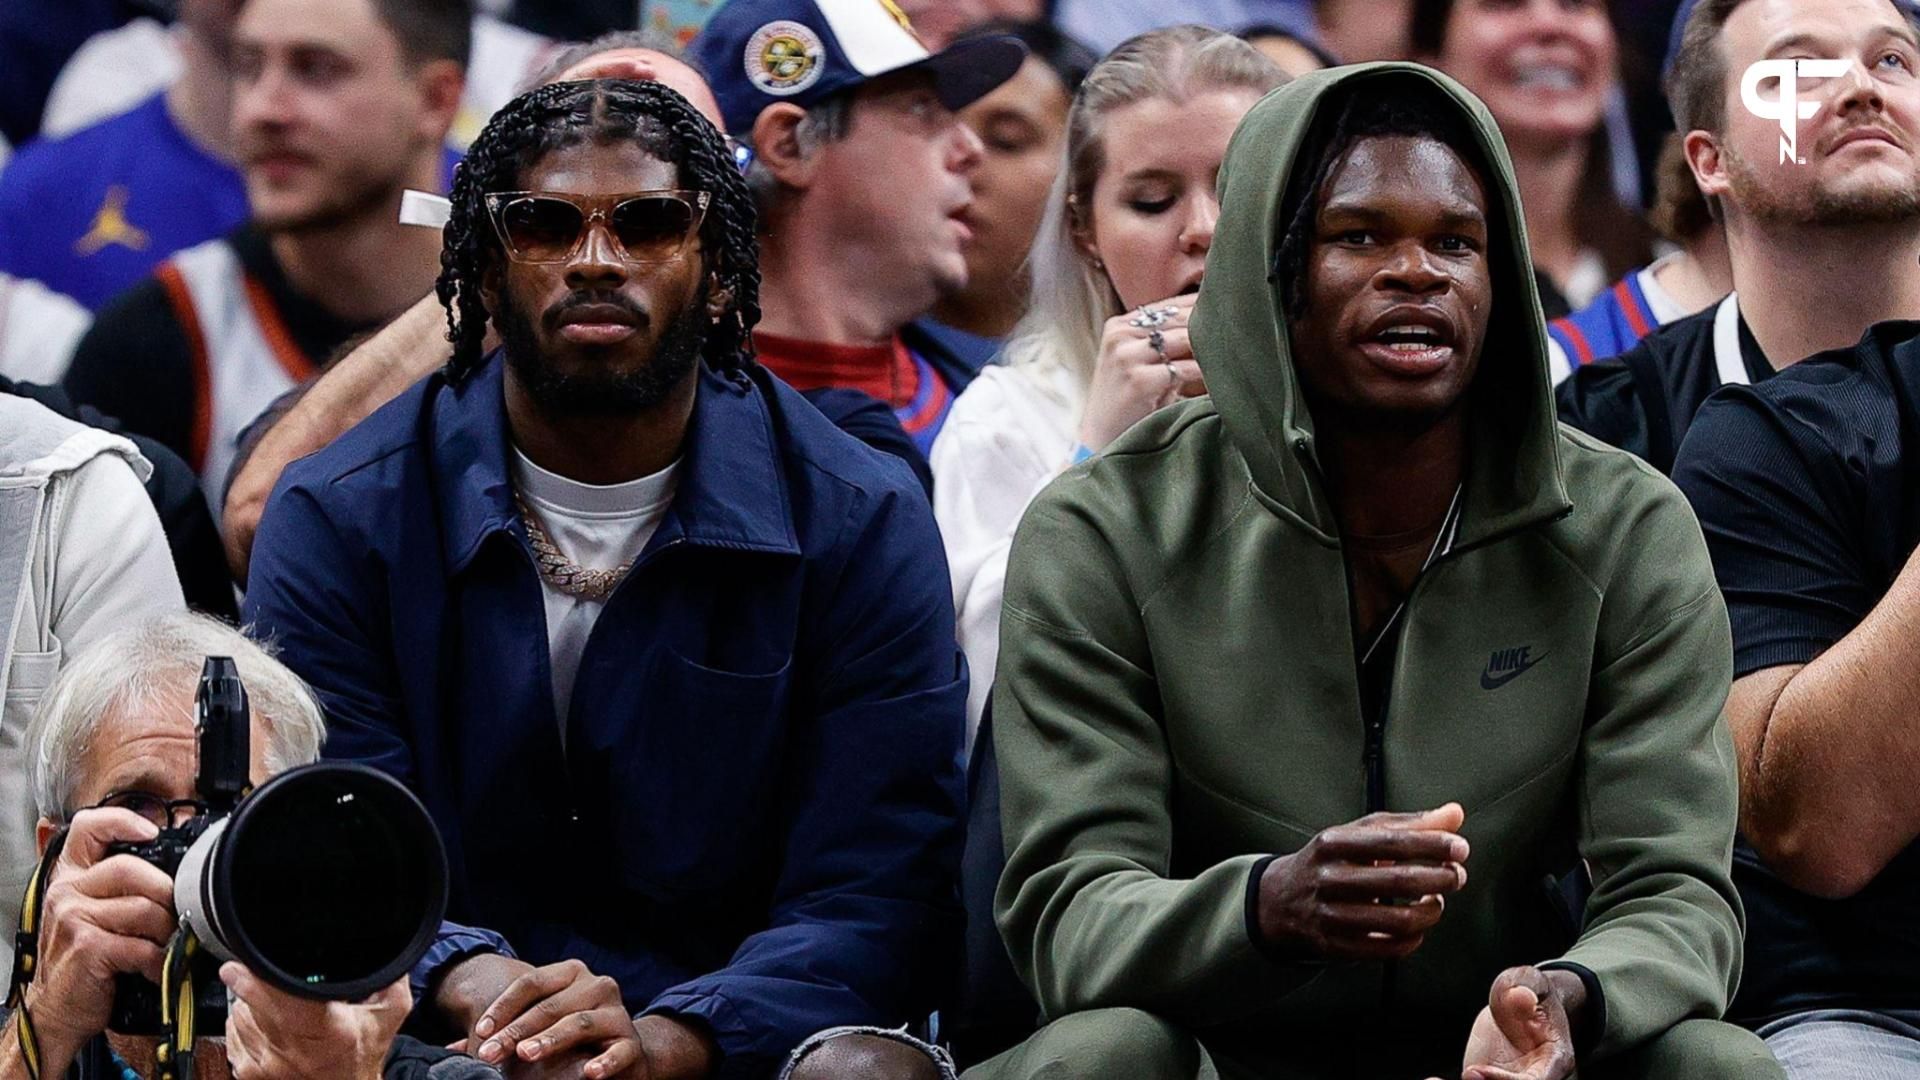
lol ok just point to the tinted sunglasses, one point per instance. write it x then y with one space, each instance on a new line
551 226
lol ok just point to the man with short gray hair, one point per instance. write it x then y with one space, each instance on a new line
112 757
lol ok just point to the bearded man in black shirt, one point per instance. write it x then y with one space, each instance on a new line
1821 247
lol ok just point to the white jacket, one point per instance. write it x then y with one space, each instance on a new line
1009 434
81 554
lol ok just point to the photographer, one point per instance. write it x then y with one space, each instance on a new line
112 757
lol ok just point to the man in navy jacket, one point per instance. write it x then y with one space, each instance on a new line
669 657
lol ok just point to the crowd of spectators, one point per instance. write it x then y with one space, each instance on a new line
920 539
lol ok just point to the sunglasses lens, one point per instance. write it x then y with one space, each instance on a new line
652 228
544 229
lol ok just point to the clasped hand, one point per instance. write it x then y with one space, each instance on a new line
1374 889
563 1020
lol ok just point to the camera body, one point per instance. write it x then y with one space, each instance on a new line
136 1000
166 850
221 718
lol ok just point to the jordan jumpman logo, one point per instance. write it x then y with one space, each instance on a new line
110 226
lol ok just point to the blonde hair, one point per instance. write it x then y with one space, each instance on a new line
1070 298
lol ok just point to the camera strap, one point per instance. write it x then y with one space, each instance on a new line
26 953
179 1008
26 940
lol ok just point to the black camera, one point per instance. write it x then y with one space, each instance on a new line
329 881
136 1000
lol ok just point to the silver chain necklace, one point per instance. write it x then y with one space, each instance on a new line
563 573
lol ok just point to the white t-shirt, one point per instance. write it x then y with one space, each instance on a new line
1009 434
597 527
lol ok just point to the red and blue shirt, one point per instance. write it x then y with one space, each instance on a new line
892 373
1614 322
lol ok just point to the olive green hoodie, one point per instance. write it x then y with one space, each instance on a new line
1178 695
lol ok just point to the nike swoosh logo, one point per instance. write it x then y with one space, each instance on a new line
1490 681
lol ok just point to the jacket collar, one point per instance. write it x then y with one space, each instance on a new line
732 491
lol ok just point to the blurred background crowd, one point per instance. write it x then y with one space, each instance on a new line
1574 84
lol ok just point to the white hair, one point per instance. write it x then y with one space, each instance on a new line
155 664
1071 298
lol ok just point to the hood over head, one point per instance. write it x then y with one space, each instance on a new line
1240 332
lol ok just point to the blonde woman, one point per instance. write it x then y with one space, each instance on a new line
1115 267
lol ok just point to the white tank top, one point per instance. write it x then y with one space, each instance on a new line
243 356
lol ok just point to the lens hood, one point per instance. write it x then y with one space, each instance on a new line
328 881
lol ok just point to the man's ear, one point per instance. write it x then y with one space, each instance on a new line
776 145
1709 163
441 84
43 834
719 299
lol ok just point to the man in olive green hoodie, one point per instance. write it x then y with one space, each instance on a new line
1360 719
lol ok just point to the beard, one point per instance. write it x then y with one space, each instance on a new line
603 392
1820 206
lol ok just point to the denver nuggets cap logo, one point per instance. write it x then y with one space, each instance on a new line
784 58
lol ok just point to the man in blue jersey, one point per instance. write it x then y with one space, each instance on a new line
862 170
338 105
93 213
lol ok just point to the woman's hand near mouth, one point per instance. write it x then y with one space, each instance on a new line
1132 380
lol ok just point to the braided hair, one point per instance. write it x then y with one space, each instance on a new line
565 114
1364 114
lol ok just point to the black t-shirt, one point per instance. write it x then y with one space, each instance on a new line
135 363
1807 497
1643 400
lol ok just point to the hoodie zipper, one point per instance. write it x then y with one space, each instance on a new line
1373 722
1373 751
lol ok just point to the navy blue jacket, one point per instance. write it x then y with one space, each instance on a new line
756 819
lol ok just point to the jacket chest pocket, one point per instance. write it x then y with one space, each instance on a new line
692 784
28 676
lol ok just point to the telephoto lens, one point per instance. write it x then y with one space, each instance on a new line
328 881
